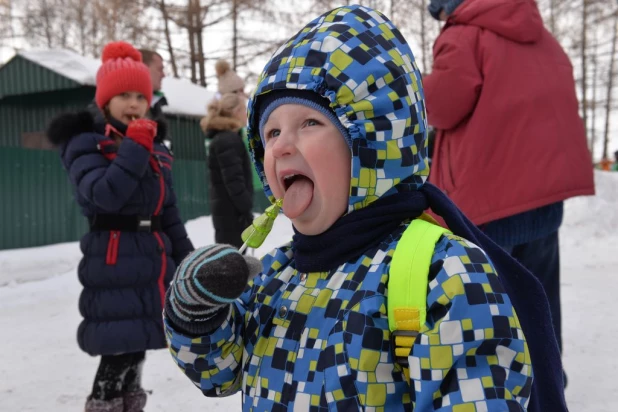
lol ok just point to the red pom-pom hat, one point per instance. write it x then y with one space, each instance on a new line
122 71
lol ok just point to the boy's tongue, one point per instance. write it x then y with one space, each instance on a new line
297 197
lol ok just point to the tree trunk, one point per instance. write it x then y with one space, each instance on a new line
47 22
95 30
200 55
584 85
552 18
235 34
191 30
424 40
593 103
199 33
610 86
81 21
168 37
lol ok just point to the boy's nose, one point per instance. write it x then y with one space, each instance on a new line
283 145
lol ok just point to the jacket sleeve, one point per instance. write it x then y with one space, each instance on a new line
214 362
107 185
229 152
454 85
173 226
175 230
474 351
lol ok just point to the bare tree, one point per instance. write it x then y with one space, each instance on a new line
584 58
38 20
6 22
82 22
610 85
417 25
424 35
235 34
168 37
194 18
592 105
83 25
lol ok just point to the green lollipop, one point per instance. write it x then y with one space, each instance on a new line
254 235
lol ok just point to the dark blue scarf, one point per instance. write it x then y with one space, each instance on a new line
361 230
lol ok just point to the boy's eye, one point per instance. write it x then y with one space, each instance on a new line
141 97
125 95
272 133
311 122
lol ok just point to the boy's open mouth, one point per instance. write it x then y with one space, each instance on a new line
290 179
298 194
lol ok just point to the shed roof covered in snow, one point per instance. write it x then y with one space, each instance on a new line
42 70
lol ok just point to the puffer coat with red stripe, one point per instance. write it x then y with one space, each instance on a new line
124 273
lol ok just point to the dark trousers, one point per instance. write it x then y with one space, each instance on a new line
542 258
117 375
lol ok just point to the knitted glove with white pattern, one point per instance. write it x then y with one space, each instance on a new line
205 285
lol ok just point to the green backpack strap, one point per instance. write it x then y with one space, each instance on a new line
407 284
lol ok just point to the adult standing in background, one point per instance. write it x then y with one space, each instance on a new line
227 79
154 62
231 185
510 144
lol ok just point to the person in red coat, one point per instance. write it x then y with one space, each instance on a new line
510 144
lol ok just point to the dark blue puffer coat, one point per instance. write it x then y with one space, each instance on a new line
124 274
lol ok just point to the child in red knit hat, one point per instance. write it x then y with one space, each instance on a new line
124 92
121 172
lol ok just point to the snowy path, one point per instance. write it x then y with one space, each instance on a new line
42 368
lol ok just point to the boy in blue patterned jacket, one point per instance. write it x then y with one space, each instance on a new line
337 129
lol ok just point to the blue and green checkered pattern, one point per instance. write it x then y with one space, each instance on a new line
355 57
320 341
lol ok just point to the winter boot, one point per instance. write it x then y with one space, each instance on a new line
135 401
98 405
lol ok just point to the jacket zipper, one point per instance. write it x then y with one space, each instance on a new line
156 166
112 247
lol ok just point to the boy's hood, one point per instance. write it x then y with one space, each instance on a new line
517 20
358 60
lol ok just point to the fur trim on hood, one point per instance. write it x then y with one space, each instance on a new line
219 123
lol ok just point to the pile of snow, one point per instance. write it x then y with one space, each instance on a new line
183 97
595 216
30 264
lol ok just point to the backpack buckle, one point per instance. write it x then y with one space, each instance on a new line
400 347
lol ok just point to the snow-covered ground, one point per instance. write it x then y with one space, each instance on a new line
42 369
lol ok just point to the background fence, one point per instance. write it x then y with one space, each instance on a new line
38 208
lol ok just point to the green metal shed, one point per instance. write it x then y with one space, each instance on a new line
37 204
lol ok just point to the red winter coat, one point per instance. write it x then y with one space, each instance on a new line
502 96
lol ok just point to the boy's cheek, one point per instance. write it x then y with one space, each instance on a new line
274 187
271 178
